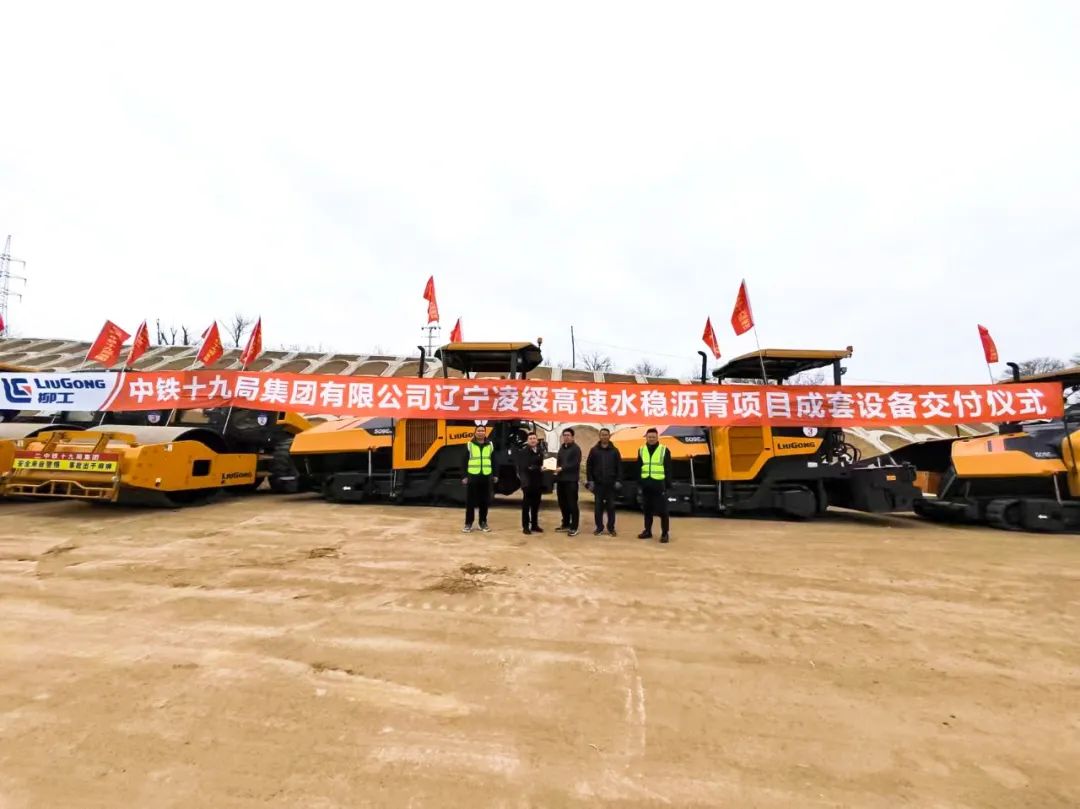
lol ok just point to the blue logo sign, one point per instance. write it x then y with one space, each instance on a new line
17 390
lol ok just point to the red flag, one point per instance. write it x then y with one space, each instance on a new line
432 306
710 339
455 335
211 350
140 345
2 327
106 348
254 345
742 318
989 349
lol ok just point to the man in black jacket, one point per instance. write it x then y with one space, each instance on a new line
654 472
530 468
602 472
567 475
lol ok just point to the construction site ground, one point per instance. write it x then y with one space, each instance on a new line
282 651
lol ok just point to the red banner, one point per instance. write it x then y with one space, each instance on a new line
140 345
989 347
212 350
742 317
709 338
703 405
254 345
432 305
106 348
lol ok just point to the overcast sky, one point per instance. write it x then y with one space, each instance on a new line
883 175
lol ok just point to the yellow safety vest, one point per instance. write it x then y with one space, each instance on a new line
652 466
479 458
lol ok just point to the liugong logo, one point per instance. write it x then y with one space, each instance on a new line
17 390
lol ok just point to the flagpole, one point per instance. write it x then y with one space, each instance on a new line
228 413
243 367
761 358
757 342
990 371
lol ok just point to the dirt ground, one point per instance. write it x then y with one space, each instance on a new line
277 651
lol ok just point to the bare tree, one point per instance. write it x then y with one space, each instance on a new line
166 335
308 348
1074 359
235 330
1037 365
806 378
646 368
595 361
185 336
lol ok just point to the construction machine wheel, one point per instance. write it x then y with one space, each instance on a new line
938 510
1006 514
147 498
1037 515
284 476
797 501
250 488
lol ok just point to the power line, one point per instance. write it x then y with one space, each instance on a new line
634 350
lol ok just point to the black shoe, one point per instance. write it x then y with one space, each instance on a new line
536 529
526 531
484 528
665 538
562 528
599 532
572 532
645 535
611 532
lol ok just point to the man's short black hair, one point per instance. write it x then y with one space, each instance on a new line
605 430
568 430
529 433
651 430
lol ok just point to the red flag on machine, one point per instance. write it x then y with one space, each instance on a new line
455 335
429 296
140 345
211 350
989 349
742 318
1 324
106 348
710 339
254 345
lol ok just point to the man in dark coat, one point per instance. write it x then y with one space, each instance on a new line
602 473
567 476
530 468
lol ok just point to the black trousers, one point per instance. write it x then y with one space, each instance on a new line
567 491
654 501
530 507
605 502
477 497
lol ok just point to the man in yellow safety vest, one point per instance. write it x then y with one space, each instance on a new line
479 475
654 463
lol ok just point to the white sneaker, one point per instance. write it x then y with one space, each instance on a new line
467 529
484 528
